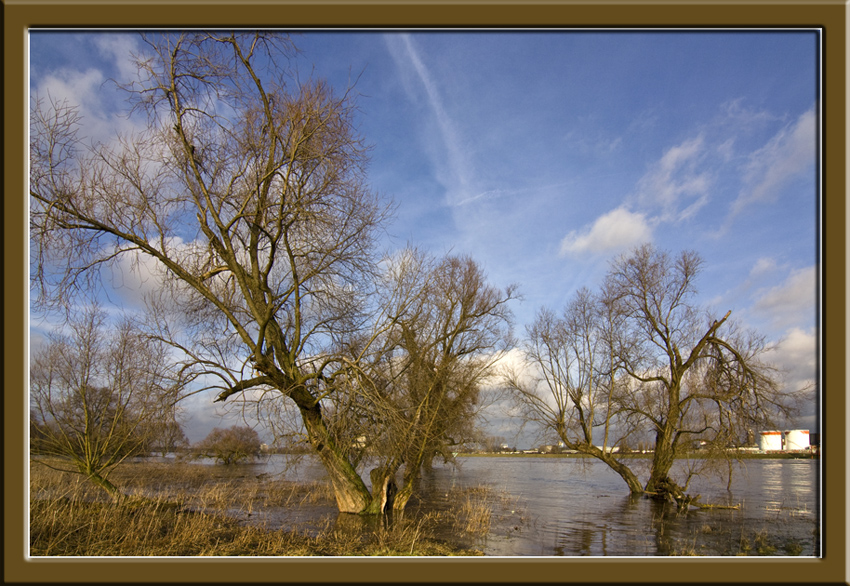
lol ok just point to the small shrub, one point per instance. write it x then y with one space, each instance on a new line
230 446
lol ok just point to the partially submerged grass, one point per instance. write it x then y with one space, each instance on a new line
188 510
157 528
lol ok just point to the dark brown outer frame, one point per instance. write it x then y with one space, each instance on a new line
827 15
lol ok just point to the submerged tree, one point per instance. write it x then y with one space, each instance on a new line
650 361
415 392
96 396
580 379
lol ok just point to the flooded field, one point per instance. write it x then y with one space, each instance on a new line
579 507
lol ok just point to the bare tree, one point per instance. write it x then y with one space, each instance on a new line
575 381
415 391
96 396
650 360
167 435
246 196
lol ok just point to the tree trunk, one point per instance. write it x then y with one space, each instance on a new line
103 483
659 476
350 492
384 490
406 491
625 473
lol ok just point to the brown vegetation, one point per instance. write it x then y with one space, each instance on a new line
182 509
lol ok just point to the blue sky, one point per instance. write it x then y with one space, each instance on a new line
545 154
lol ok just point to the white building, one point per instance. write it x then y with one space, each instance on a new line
770 441
797 439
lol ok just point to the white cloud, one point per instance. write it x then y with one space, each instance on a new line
798 350
796 357
738 114
101 105
762 267
118 49
726 149
77 87
135 275
791 303
615 231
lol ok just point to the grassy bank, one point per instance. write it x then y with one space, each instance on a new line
192 510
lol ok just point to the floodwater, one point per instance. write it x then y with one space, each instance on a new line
578 507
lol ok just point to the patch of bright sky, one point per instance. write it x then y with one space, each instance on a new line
545 154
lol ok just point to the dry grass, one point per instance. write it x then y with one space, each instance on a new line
188 510
482 509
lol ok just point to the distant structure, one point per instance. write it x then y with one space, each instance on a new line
796 440
792 440
770 441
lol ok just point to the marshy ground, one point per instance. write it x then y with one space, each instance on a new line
185 509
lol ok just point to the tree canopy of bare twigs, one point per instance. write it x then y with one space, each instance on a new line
246 199
97 396
246 193
641 358
415 392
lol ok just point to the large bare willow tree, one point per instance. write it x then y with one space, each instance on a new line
245 196
641 357
246 201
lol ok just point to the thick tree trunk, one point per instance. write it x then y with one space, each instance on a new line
406 491
662 461
625 473
412 471
350 492
384 490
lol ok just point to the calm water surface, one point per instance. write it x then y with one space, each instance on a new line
579 507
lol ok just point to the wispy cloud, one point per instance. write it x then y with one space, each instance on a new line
763 266
459 180
677 185
119 50
86 88
593 142
792 302
789 153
